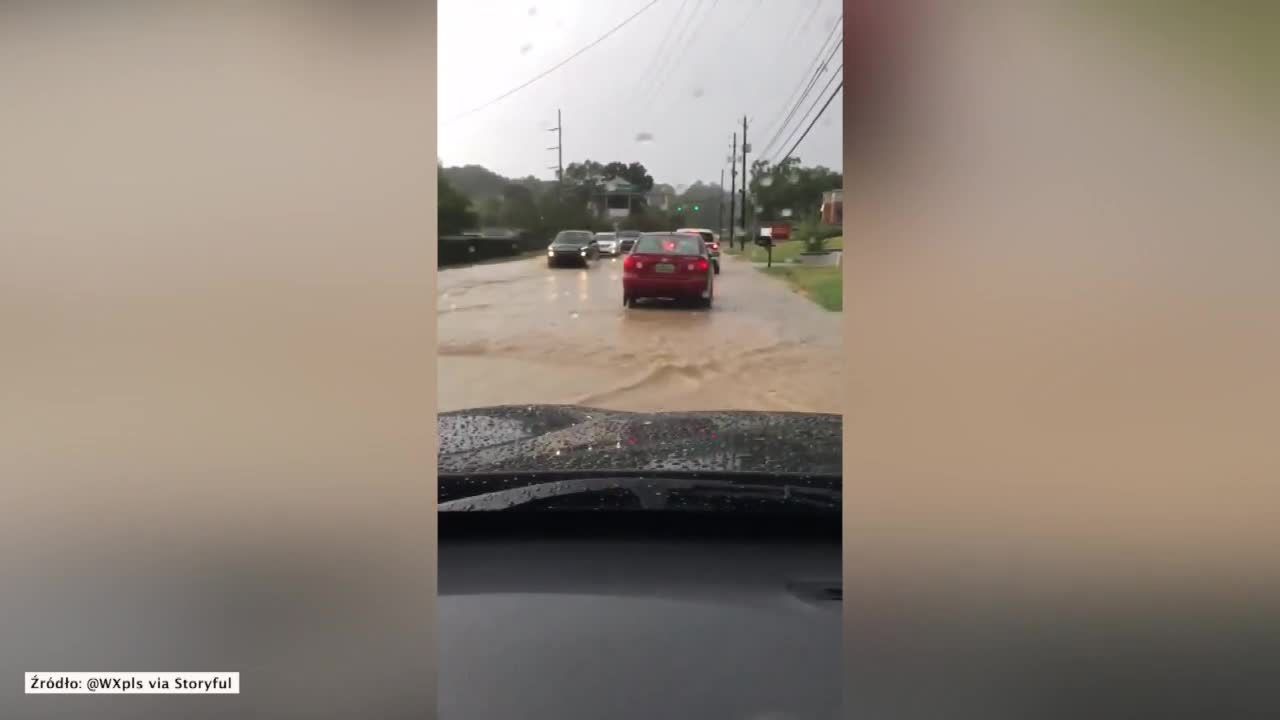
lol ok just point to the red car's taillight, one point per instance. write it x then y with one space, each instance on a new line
702 265
715 246
629 263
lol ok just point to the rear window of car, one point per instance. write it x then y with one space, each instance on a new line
707 236
668 244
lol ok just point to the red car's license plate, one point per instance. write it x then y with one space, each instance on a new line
664 268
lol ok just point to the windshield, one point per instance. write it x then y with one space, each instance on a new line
672 244
599 162
573 238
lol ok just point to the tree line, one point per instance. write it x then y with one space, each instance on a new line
471 197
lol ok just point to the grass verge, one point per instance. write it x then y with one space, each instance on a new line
789 251
823 285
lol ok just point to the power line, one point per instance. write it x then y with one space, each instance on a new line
820 66
812 122
796 129
800 100
816 66
809 20
813 66
686 33
667 38
557 66
799 27
730 36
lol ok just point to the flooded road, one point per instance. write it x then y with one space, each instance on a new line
520 332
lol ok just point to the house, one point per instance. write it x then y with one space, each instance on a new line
616 199
661 197
833 207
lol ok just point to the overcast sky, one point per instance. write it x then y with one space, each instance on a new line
684 72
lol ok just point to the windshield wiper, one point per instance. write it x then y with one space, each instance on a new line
648 491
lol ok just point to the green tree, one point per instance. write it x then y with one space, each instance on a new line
590 174
454 213
700 204
490 211
790 186
633 173
519 207
475 181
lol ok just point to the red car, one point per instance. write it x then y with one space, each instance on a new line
668 265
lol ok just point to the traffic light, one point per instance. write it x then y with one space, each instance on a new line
679 208
696 208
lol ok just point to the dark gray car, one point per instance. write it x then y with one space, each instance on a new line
627 240
573 247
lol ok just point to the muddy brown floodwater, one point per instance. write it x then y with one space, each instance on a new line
520 332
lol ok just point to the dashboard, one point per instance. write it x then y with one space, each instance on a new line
628 626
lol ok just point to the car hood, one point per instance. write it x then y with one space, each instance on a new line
515 438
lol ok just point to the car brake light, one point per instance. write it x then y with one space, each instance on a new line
715 246
702 265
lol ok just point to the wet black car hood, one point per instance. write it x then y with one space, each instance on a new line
518 438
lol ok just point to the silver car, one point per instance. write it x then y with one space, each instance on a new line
608 243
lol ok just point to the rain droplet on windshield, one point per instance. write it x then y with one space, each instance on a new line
573 315
697 92
533 10
525 48
644 137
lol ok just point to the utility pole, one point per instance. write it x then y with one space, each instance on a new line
559 148
746 148
733 173
720 203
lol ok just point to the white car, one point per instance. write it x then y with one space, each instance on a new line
608 243
713 244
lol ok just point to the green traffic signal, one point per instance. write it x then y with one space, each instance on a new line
696 208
